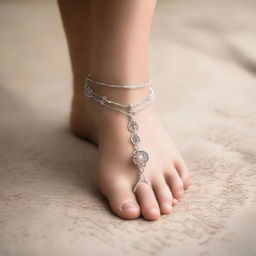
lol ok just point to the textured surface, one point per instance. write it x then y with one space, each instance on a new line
203 68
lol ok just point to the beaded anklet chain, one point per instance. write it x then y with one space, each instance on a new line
124 86
139 156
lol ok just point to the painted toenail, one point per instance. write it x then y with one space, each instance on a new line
129 206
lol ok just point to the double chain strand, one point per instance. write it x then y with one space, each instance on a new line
124 86
139 156
103 100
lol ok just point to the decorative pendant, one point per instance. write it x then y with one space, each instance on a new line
132 126
135 139
140 158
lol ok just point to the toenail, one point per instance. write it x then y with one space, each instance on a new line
167 207
175 201
179 195
154 211
129 206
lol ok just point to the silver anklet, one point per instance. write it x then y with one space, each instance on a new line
139 156
126 86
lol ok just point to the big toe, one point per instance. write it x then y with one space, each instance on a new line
123 202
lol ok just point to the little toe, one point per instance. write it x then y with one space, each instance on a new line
174 202
176 185
123 202
183 172
164 196
147 201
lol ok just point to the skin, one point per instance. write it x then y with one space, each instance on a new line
110 40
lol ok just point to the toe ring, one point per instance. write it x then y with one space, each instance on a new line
142 178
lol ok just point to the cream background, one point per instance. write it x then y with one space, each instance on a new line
203 67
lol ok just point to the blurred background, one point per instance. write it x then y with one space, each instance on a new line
203 67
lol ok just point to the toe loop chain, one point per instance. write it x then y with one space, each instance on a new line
142 178
139 157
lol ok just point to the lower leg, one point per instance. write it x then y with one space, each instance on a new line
121 32
120 56
77 21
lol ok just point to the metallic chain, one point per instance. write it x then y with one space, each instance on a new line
140 157
103 100
126 86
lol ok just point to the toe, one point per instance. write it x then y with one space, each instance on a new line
147 201
123 202
130 209
183 172
174 202
164 196
176 185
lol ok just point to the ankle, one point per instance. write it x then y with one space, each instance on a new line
125 93
123 74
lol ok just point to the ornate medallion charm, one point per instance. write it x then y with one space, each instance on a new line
140 158
132 126
135 139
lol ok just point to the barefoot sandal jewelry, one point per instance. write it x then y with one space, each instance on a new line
140 157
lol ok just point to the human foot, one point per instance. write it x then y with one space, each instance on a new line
116 175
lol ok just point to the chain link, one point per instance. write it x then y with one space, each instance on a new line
126 86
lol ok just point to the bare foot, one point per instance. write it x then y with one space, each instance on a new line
116 175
